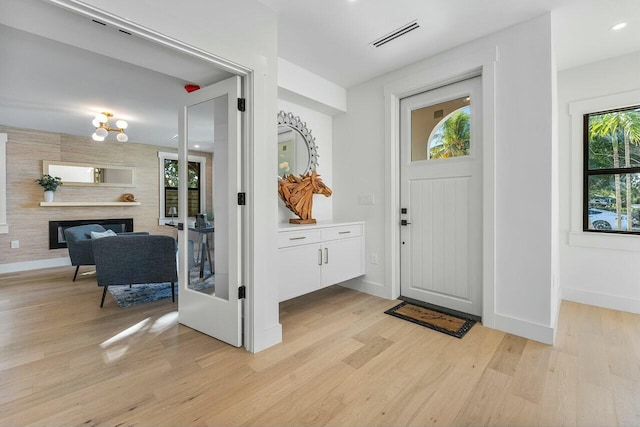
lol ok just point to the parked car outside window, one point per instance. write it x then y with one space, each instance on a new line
600 219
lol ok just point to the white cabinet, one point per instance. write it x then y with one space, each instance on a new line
313 257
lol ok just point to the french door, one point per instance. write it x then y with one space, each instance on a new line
441 197
209 301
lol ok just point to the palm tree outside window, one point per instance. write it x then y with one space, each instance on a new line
612 171
452 136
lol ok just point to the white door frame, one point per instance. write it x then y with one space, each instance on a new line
481 63
248 77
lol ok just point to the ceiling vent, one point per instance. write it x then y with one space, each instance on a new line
398 32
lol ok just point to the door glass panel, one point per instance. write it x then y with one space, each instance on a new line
442 130
207 131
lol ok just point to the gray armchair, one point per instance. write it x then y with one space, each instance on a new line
135 259
80 246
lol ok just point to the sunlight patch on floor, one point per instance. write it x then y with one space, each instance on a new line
117 346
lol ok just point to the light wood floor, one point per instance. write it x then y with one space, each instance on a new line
64 361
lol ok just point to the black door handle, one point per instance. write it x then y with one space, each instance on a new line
404 222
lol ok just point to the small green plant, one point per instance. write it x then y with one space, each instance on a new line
49 183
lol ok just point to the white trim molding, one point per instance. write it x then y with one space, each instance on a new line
577 109
361 285
524 328
613 302
4 227
15 267
482 63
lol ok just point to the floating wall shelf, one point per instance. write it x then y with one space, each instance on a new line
71 204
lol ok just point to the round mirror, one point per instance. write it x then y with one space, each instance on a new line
297 151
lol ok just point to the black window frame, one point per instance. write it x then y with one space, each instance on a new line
587 173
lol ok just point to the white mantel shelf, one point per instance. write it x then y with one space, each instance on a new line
71 204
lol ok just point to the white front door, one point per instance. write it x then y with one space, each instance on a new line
441 197
208 301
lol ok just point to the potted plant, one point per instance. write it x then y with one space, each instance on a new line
50 184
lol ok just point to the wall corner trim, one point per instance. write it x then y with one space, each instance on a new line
268 338
525 328
4 227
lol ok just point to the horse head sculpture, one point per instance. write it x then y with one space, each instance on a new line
297 194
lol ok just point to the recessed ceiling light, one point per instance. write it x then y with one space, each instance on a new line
619 26
196 146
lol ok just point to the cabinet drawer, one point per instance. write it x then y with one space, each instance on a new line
343 232
296 238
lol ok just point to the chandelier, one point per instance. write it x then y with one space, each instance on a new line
101 123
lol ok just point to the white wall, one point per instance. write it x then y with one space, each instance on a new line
321 126
301 86
523 169
244 32
594 269
315 100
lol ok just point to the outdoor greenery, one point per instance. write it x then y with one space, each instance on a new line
171 174
452 138
49 183
171 187
614 143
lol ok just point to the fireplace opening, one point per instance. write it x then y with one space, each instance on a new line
56 228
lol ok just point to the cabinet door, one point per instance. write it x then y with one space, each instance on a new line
342 260
298 270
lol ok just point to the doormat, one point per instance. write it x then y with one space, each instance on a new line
432 319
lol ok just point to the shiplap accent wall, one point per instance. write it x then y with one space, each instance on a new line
28 221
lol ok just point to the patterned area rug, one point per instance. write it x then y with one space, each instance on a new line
432 319
148 292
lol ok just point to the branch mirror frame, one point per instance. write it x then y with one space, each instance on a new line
294 133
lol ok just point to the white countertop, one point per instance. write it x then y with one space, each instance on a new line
319 224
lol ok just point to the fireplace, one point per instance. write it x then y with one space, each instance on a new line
56 228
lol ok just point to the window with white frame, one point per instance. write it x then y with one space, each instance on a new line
611 178
168 178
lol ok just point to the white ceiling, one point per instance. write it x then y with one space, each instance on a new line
59 85
332 37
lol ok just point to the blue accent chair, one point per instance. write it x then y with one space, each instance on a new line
135 259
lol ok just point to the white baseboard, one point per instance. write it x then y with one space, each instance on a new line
556 314
34 265
614 302
524 328
267 338
371 288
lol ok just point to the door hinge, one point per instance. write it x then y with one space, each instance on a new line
242 104
242 292
242 199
